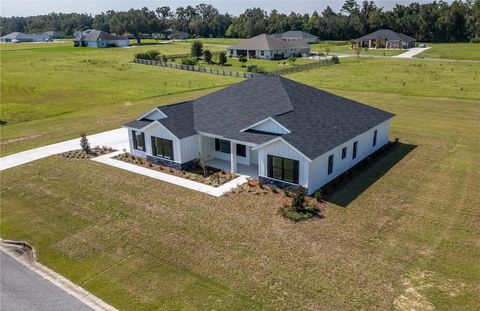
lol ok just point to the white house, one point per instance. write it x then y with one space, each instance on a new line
18 37
100 39
286 132
268 47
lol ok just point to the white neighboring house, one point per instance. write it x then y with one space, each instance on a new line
99 39
295 35
268 47
289 133
18 37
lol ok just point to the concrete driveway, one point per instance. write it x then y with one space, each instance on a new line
21 289
117 139
411 52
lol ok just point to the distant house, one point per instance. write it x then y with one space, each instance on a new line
53 35
294 35
268 47
100 39
384 39
281 131
17 37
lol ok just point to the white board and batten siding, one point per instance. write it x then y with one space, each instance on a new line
208 145
270 126
319 166
281 149
184 150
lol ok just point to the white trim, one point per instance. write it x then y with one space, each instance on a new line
265 120
284 141
155 109
155 122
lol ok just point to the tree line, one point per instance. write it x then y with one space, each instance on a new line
437 21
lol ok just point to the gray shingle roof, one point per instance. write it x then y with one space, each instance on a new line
266 42
297 34
318 121
97 35
386 34
137 124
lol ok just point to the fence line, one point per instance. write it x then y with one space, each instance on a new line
220 72
239 74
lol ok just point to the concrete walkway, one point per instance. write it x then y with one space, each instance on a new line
179 181
412 52
117 139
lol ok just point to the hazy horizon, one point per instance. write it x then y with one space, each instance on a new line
28 7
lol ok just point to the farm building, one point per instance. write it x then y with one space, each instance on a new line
384 39
100 39
295 35
268 47
17 37
268 127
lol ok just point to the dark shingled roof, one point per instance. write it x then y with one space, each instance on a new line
318 121
296 34
266 42
386 34
138 124
97 35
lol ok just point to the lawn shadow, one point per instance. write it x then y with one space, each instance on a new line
347 187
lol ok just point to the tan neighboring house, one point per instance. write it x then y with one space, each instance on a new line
268 47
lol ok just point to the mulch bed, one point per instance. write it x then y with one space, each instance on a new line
81 154
215 177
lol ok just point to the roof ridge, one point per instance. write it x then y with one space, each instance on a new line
282 79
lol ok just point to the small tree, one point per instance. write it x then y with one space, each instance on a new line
164 58
243 59
222 58
202 161
207 56
298 200
357 51
84 143
327 50
292 61
197 49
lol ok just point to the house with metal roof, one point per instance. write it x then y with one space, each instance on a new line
285 132
99 39
296 35
18 37
385 39
268 47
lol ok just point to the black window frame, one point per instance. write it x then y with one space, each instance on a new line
330 164
344 152
375 134
135 135
160 152
221 145
294 171
354 152
242 151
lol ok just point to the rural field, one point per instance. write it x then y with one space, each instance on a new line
465 51
343 47
403 234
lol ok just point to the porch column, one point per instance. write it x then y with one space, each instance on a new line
233 157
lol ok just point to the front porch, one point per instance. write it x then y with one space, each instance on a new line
242 169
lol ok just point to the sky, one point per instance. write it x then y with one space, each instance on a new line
234 7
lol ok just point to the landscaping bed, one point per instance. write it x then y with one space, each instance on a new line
214 177
81 154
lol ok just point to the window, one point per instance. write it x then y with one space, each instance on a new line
241 150
354 152
222 145
374 138
262 53
344 152
138 140
282 168
162 147
330 164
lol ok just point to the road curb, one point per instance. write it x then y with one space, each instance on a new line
8 247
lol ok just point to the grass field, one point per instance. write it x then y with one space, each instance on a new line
70 90
343 47
220 41
402 235
468 51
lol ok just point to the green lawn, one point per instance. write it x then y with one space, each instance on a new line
54 93
343 47
468 51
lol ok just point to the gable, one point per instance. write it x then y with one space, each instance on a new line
268 125
155 114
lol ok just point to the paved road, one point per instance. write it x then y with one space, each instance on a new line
23 290
117 139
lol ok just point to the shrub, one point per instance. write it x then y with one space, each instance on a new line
196 49
318 195
150 55
207 56
243 59
335 59
192 61
222 58
84 143
251 68
475 40
298 200
164 58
